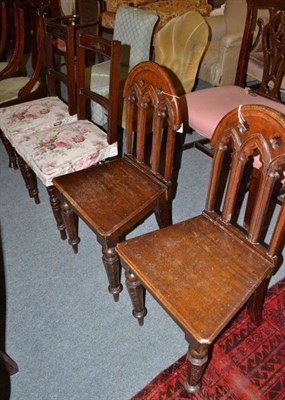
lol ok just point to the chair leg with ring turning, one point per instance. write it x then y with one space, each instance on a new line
30 179
55 205
196 363
137 295
10 151
113 269
71 224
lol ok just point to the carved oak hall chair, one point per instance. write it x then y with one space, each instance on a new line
202 271
206 107
67 147
112 198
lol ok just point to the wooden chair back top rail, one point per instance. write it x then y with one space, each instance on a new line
142 94
273 37
261 134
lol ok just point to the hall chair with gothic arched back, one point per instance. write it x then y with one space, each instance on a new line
112 198
67 147
204 270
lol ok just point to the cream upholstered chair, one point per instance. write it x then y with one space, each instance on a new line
179 46
219 64
134 29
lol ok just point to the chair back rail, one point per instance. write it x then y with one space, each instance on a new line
89 43
263 136
143 92
273 37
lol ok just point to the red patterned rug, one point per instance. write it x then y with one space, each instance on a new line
247 363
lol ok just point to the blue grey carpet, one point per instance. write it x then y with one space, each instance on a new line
70 340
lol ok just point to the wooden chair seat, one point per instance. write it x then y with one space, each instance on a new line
107 185
193 265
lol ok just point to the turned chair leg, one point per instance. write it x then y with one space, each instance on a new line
163 212
196 363
137 294
255 303
10 151
113 269
30 179
9 364
71 224
55 205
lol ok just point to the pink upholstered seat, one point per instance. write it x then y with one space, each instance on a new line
206 107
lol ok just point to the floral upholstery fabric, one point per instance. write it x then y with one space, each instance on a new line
9 88
32 116
64 149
